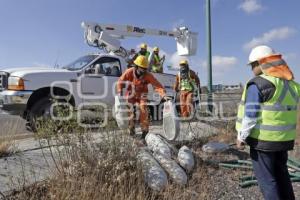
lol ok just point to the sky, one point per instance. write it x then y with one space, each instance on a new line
42 33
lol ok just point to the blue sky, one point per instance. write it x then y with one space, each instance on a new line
37 33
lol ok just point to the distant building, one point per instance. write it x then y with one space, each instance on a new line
222 88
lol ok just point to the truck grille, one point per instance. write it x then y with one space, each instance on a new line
3 81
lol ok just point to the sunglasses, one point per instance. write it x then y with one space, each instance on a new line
254 64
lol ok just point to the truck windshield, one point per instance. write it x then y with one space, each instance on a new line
80 62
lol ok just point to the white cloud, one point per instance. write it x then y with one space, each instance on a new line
250 6
222 61
174 59
270 36
221 64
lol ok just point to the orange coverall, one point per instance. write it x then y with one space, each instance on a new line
137 92
186 97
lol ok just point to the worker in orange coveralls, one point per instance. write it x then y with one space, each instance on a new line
187 83
137 92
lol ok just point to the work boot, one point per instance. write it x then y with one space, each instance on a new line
132 132
144 133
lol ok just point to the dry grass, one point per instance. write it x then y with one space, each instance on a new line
104 169
6 147
110 171
7 140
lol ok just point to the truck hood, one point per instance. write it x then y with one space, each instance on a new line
21 71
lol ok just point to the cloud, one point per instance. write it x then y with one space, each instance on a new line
250 6
221 64
173 60
270 36
222 61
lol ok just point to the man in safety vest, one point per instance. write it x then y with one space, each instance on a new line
143 52
267 118
137 91
156 62
187 83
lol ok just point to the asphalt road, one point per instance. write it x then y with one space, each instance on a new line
11 125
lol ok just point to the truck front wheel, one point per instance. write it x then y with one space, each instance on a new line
40 111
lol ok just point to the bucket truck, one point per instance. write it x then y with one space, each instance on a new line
89 80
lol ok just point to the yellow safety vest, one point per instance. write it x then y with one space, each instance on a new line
157 66
188 84
277 118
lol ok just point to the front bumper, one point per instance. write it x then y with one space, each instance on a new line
14 102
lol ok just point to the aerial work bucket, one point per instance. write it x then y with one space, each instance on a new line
171 124
186 42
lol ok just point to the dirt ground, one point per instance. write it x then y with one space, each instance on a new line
223 183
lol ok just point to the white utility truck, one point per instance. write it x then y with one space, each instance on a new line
89 80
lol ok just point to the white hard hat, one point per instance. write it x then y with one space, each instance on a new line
260 52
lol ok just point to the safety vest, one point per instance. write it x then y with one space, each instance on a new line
147 54
277 118
187 84
156 67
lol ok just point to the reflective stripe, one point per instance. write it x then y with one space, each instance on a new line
275 128
278 107
294 95
271 127
272 64
283 92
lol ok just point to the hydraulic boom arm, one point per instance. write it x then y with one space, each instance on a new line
106 36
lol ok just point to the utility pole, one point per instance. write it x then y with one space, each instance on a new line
209 60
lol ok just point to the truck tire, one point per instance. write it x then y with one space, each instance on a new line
40 109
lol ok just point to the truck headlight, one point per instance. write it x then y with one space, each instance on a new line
15 83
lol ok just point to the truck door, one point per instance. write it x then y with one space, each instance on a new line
99 80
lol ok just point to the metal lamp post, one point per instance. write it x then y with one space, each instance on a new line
209 58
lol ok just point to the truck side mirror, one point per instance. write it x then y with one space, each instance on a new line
88 71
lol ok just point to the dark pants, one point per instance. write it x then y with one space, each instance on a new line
270 169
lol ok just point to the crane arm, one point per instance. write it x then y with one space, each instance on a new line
107 36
